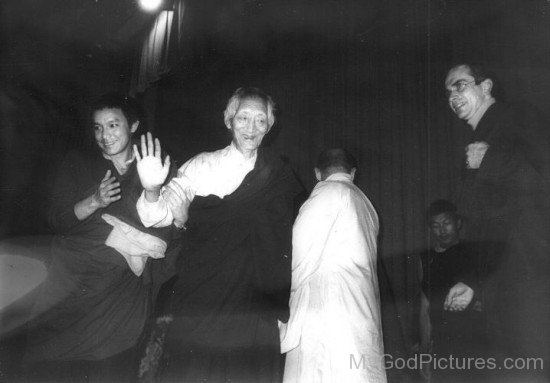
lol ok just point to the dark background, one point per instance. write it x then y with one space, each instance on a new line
363 74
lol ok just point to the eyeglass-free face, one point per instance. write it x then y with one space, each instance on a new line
445 228
112 133
249 125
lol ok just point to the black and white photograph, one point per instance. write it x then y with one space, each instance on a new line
275 191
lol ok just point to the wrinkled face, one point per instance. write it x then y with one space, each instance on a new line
445 228
249 125
465 96
112 132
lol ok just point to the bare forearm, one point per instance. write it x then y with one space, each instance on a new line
425 331
425 324
86 208
152 195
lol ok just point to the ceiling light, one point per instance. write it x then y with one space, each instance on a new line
150 5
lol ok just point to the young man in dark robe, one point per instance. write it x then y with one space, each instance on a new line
86 320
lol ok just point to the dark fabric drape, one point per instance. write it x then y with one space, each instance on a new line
157 49
233 280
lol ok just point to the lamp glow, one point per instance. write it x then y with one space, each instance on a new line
150 5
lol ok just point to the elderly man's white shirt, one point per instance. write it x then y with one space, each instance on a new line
335 302
219 173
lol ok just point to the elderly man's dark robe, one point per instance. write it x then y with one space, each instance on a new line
233 281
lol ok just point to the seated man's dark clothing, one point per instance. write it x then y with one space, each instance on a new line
92 309
453 332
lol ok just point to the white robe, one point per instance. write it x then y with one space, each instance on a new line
334 333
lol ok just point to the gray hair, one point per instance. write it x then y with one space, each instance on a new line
248 92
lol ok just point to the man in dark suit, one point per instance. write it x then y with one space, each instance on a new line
505 195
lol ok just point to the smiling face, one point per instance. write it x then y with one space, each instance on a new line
466 98
445 228
249 125
112 132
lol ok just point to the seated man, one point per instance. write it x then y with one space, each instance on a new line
450 313
85 321
334 333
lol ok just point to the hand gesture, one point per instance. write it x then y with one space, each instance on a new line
459 297
177 201
152 172
107 192
475 153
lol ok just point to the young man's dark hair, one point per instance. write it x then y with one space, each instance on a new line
112 100
439 207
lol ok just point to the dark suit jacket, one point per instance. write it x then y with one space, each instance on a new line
505 203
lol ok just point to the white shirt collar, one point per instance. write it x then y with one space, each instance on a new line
340 176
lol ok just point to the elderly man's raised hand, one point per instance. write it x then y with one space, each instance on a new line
152 172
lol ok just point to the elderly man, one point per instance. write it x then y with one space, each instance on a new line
334 333
233 273
505 196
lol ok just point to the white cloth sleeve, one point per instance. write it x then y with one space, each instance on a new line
155 214
158 214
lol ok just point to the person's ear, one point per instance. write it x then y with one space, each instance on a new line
459 223
318 174
228 123
487 86
134 126
352 173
